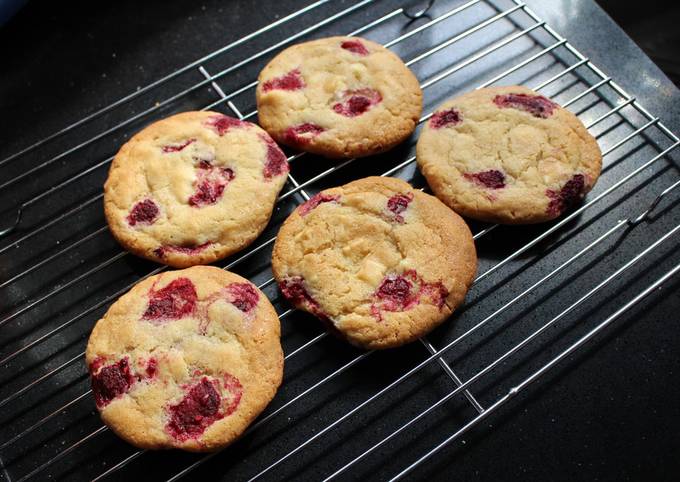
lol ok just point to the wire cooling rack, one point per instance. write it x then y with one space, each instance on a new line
541 294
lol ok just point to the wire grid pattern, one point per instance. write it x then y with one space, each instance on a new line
55 295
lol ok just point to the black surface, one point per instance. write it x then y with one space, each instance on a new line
609 413
652 27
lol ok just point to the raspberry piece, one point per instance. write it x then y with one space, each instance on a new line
294 290
177 147
298 134
396 291
221 123
492 178
355 47
276 163
111 381
437 293
97 364
402 292
315 200
397 204
444 118
536 105
151 367
233 387
202 406
243 296
555 206
291 81
357 102
144 212
188 250
571 193
210 183
195 412
175 301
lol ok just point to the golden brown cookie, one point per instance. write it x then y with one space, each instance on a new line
338 97
380 263
193 188
186 359
507 155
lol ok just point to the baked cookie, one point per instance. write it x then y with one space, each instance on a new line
380 263
193 188
507 155
338 97
186 359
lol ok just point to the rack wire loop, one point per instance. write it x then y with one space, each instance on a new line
10 229
418 13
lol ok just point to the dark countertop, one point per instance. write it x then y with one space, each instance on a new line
610 413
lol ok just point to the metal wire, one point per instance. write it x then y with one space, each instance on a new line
165 79
616 228
183 93
548 366
158 106
297 187
254 251
434 354
267 283
212 82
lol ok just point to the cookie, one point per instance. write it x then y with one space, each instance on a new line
186 359
380 263
338 97
193 188
507 155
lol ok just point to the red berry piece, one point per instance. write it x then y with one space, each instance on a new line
234 389
202 406
570 194
98 362
397 204
315 200
491 179
151 367
396 291
357 102
111 381
175 301
446 118
188 250
536 105
355 47
243 296
294 290
437 293
177 147
402 292
195 412
144 212
291 81
210 183
276 163
221 123
302 134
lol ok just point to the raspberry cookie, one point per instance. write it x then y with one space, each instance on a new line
193 188
507 155
338 97
185 359
380 263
